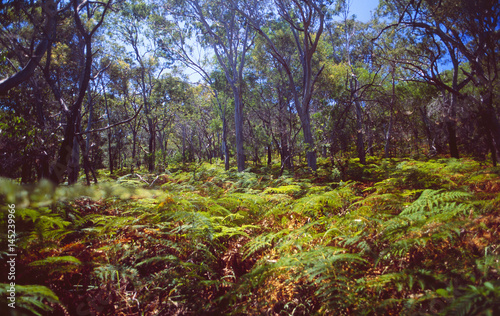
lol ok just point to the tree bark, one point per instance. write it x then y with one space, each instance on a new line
238 126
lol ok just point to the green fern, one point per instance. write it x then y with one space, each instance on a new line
32 298
53 265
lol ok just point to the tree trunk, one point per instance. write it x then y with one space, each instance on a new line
134 159
269 155
110 154
285 151
452 139
491 146
74 163
492 121
308 139
387 146
225 148
238 126
151 146
360 145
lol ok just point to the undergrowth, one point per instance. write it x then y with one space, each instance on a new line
393 237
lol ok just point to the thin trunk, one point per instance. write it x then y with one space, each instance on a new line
452 139
151 147
360 144
110 154
428 131
388 135
74 164
269 155
451 117
387 146
134 143
183 143
238 126
489 140
225 148
309 140
493 123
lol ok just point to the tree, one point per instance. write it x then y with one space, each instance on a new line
175 41
44 27
94 17
230 38
133 28
306 21
469 31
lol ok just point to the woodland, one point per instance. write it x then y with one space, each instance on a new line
249 157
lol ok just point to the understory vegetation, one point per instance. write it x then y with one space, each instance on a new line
392 237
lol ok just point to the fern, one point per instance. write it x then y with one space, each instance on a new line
32 298
328 203
56 264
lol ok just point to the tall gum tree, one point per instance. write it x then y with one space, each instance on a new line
306 19
224 30
88 17
133 28
175 40
470 32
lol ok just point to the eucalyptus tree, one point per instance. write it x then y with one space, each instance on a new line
39 36
270 97
87 18
180 39
27 30
220 26
132 28
351 31
468 33
306 19
24 24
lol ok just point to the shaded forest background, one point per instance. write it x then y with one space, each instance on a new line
90 85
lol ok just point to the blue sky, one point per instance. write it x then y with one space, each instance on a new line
363 8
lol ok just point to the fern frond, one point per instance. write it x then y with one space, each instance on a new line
30 297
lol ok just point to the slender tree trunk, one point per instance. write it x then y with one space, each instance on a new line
225 148
238 126
452 139
360 144
309 140
493 123
26 176
134 144
184 143
151 147
428 131
388 135
110 154
387 146
489 140
74 163
451 117
86 161
269 155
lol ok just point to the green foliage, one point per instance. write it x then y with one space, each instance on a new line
32 298
53 265
248 244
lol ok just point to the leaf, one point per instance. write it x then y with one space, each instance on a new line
442 292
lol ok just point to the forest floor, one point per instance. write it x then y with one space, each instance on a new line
393 237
